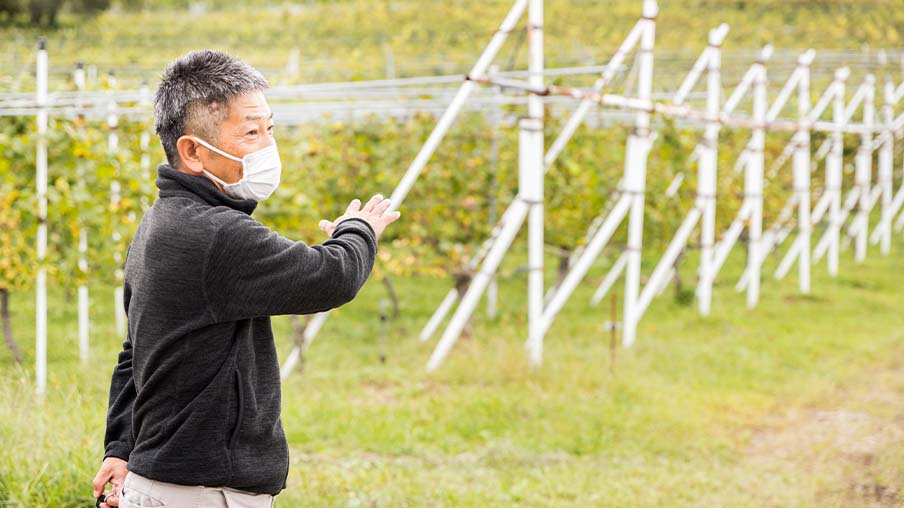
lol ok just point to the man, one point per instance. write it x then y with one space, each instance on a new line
194 411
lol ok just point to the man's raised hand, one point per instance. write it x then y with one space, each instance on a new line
375 213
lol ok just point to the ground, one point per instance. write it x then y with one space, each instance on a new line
797 403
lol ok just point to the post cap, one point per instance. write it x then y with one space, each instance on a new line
806 58
717 35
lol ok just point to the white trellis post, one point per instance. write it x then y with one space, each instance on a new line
863 198
496 124
892 130
801 179
637 147
530 145
84 319
706 174
115 199
753 182
639 144
41 76
863 170
531 180
751 158
799 250
707 164
831 236
886 166
768 240
833 177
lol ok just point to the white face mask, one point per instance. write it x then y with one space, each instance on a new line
260 173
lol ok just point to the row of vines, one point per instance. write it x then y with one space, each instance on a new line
444 218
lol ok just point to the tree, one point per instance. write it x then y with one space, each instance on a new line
44 12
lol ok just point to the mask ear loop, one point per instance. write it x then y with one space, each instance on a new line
217 150
221 152
220 181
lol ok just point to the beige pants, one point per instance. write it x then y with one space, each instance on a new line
141 492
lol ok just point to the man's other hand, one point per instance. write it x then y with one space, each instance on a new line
112 471
375 213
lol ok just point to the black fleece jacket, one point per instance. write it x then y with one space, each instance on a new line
195 396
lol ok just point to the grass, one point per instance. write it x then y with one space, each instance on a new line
794 404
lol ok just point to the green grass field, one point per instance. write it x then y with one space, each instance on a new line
798 403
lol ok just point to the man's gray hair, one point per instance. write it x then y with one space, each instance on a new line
194 96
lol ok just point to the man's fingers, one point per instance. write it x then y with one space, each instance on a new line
374 201
382 206
100 481
114 498
325 225
392 217
110 499
354 206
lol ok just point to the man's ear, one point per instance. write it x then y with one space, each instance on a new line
189 155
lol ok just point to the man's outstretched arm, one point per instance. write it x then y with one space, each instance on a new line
252 271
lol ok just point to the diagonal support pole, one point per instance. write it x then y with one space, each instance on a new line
552 154
514 218
445 122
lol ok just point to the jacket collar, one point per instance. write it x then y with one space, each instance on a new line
173 182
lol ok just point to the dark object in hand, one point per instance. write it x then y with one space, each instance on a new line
100 500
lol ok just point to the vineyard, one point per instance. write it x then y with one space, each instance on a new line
743 177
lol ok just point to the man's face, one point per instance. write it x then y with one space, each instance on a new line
247 128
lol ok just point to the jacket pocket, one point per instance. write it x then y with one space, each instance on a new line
240 409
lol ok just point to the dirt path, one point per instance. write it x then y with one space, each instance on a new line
846 451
